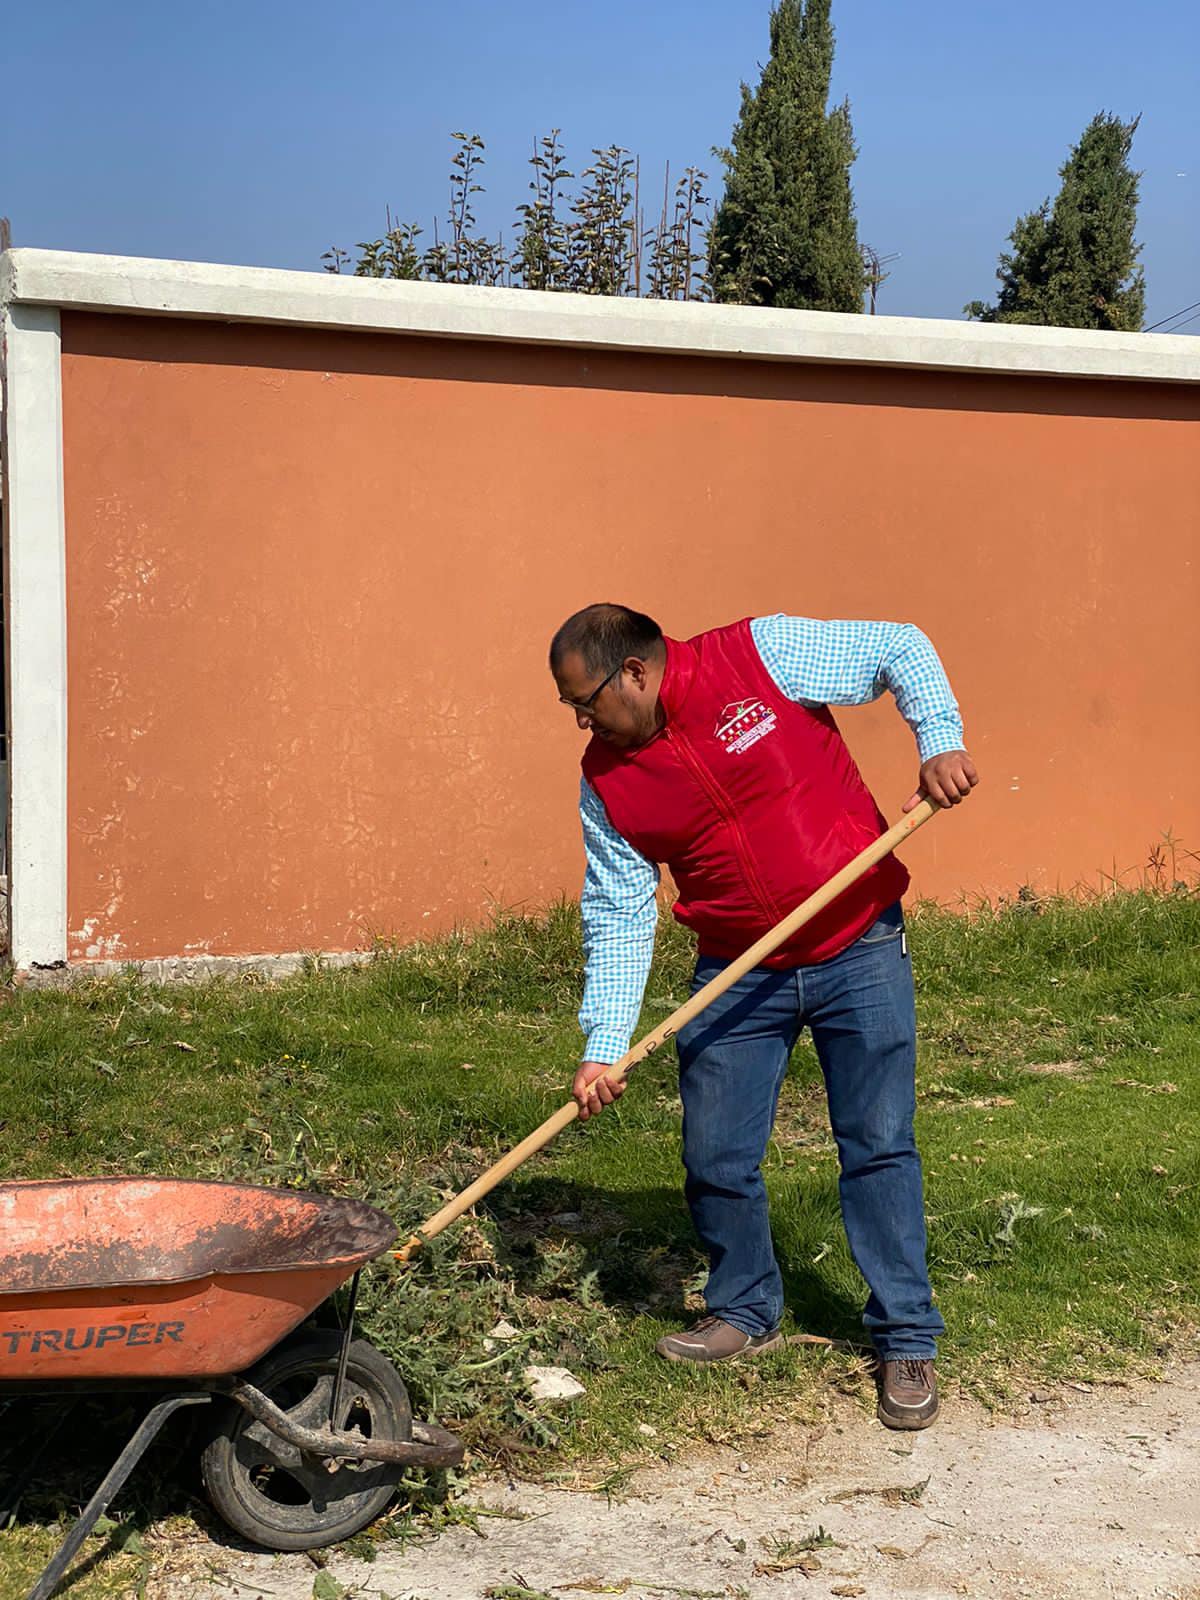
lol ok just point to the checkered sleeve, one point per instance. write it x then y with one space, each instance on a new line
620 914
851 663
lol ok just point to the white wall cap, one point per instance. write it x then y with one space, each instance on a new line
324 300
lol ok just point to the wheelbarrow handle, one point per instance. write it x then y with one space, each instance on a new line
430 1446
667 1029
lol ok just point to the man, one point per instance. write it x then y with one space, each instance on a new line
719 756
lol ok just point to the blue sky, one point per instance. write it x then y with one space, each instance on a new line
262 132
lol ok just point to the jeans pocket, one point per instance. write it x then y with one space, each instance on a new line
890 925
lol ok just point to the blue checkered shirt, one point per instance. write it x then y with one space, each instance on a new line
819 663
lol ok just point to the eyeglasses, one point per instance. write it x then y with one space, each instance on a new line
586 705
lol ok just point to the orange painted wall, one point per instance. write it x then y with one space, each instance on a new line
312 576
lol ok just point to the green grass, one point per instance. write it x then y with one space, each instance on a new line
1058 1116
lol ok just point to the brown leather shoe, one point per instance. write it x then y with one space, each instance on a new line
908 1396
711 1339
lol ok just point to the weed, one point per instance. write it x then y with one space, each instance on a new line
785 1554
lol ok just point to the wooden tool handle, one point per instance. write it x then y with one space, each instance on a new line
779 934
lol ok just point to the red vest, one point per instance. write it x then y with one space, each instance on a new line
751 800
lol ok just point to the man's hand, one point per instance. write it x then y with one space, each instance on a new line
947 779
594 1095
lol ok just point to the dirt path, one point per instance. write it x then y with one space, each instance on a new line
1089 1494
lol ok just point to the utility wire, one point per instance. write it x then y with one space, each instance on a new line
1194 306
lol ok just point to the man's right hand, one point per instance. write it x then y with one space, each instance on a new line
593 1091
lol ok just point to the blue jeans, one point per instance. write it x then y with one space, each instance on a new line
732 1061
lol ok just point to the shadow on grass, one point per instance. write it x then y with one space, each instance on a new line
635 1251
57 1451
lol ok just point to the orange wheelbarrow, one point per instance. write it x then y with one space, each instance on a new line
193 1292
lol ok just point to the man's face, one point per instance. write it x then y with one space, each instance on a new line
621 709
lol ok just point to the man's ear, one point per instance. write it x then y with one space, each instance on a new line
635 669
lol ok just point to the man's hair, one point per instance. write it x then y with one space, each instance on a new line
603 635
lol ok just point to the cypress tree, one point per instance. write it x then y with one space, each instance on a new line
784 233
1074 264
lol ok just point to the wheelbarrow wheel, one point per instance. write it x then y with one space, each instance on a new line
274 1494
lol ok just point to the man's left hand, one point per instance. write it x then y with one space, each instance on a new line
946 779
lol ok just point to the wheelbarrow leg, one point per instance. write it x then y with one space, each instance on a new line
133 1452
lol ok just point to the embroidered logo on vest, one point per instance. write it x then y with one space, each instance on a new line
744 723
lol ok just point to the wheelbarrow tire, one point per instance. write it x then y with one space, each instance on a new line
271 1493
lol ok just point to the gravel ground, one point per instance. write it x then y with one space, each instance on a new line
1087 1493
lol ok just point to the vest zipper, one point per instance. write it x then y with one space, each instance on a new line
718 797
